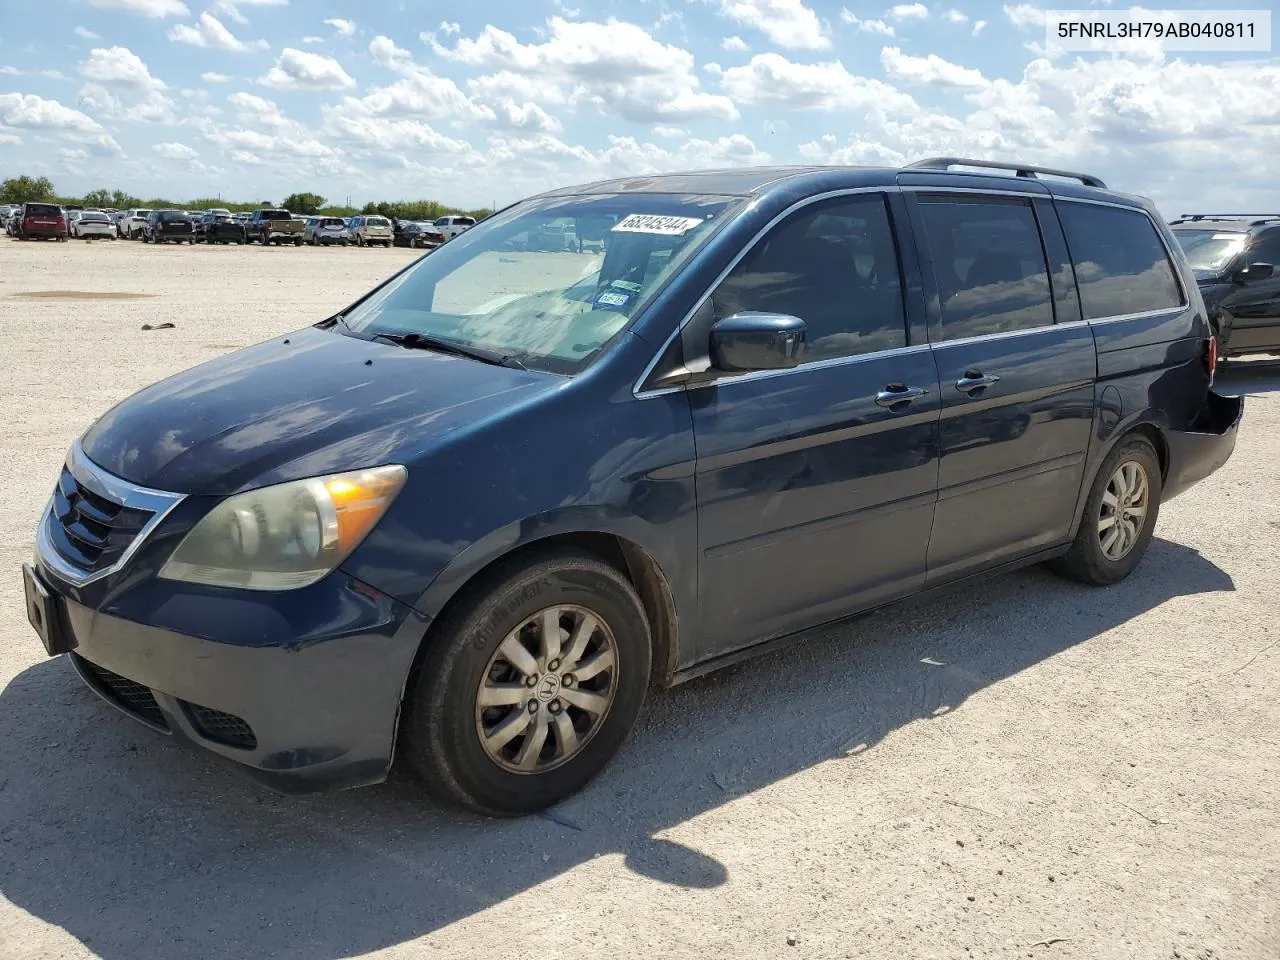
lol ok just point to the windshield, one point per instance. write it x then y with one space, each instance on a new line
142 213
550 282
1209 251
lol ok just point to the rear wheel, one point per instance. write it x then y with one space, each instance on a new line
1119 516
529 686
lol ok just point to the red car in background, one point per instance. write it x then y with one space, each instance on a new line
37 220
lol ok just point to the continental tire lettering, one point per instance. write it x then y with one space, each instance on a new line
497 620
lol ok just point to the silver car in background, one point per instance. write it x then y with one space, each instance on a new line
368 230
327 230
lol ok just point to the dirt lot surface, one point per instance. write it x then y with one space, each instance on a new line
1029 768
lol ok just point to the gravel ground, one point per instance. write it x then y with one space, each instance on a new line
1029 768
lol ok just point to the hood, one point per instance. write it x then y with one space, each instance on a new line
311 403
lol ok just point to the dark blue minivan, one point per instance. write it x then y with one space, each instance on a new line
477 515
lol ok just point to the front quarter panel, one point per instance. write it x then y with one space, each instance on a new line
588 457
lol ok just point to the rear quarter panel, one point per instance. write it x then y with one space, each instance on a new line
1150 368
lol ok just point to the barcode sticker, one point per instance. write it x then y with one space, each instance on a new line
652 223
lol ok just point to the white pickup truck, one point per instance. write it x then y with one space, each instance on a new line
451 226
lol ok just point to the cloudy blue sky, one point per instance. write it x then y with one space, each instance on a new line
486 101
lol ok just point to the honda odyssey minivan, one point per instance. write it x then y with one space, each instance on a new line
473 518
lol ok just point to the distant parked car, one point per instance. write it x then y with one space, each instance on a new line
40 221
93 223
370 230
451 226
327 230
1236 259
418 235
133 222
215 227
274 226
169 226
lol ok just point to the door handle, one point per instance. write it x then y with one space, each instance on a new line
896 395
974 380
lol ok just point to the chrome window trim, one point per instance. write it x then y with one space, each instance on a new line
1025 331
1140 315
1164 244
806 367
88 473
640 394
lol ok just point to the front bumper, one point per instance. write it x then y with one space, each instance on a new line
1198 452
299 690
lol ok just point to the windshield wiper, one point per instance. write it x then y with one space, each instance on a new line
420 341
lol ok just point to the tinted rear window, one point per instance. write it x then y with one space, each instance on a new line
377 221
1121 265
43 210
990 267
332 222
169 215
276 215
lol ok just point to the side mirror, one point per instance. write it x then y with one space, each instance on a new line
1253 273
757 341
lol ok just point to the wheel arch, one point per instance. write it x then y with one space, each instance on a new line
1149 430
471 571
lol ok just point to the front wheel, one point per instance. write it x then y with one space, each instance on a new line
1119 516
528 686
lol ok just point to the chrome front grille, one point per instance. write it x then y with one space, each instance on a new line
95 520
91 530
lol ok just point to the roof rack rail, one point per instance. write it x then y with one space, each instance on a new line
1257 218
1021 169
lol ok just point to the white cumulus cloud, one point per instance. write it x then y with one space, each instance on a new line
300 70
909 11
177 151
932 70
345 28
210 32
615 68
865 26
119 66
770 79
788 23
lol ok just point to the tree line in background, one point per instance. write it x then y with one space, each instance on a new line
25 189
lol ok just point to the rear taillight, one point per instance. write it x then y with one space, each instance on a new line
1211 357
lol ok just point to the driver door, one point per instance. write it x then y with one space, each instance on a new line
816 485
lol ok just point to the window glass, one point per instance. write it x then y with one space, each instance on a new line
990 267
551 281
1266 250
1209 251
835 266
1121 265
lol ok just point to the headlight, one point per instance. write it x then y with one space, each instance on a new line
285 536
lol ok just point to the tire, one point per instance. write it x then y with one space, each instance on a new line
1089 560
442 722
297 243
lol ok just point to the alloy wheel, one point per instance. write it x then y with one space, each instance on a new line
547 689
1124 509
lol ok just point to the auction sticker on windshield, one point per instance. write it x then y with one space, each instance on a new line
653 223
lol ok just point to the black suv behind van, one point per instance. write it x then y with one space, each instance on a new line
472 517
1236 260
